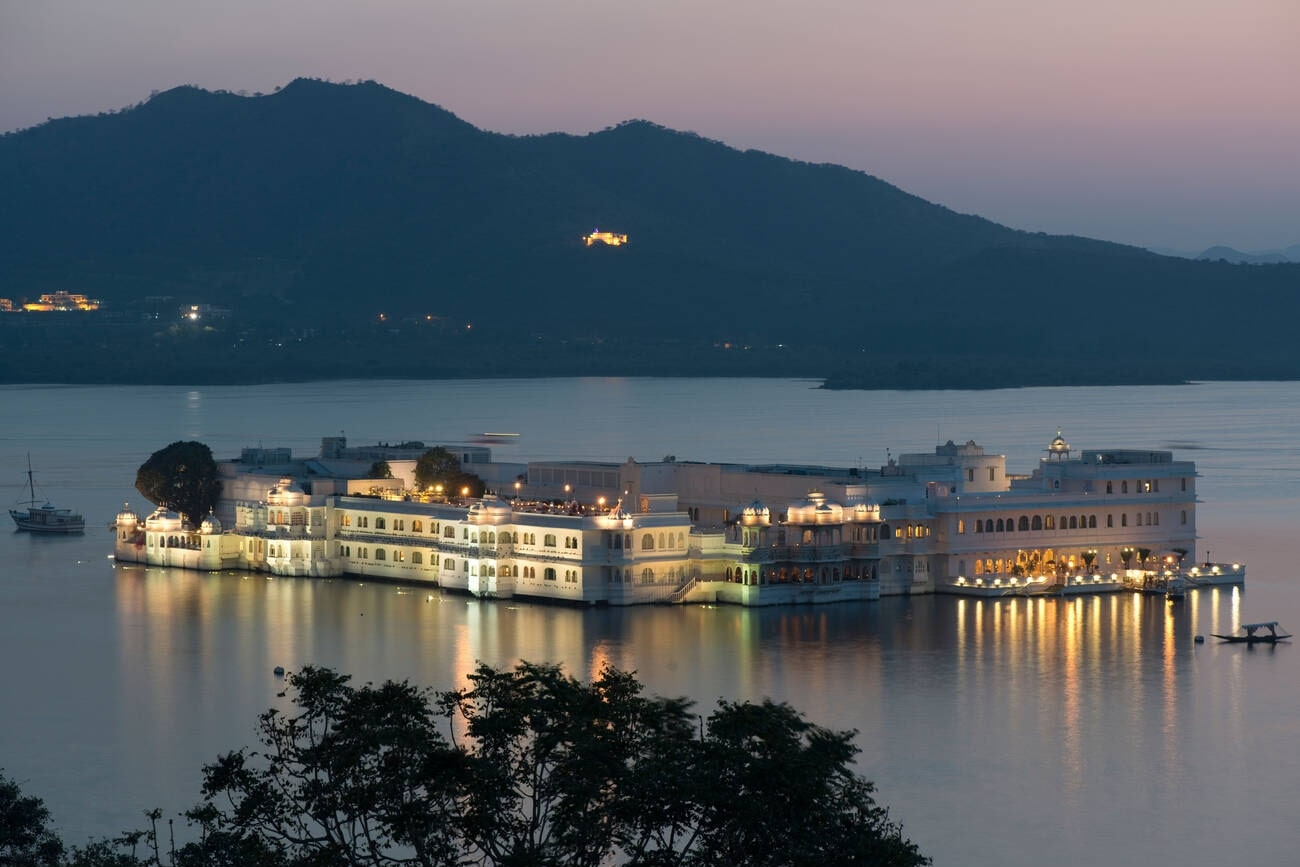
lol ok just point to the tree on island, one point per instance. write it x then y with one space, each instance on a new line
380 470
527 766
439 467
182 476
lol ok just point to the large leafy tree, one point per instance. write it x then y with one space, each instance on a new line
438 466
524 767
182 476
528 766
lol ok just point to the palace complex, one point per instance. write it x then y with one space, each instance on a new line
604 533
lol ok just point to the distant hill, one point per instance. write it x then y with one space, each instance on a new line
1271 257
326 216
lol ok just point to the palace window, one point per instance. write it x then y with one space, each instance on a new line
417 526
380 555
647 542
961 526
548 540
1110 520
1023 523
1036 523
417 558
380 524
1110 487
548 574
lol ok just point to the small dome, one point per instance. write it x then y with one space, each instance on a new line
1058 443
211 526
126 516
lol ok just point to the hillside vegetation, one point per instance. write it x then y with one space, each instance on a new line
350 230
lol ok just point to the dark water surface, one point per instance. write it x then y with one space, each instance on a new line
1082 731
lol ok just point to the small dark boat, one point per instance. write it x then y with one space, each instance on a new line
1256 633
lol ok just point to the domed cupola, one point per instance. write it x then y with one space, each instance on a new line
1059 449
211 526
126 519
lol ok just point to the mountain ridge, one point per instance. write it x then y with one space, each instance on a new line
325 207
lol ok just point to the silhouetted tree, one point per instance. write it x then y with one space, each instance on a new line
25 838
380 470
438 466
528 766
182 476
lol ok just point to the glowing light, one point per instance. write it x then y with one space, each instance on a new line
611 239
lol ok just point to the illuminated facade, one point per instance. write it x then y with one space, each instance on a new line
626 533
61 301
610 239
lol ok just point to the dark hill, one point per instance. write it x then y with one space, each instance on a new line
310 212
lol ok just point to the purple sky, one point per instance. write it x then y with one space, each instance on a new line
1168 123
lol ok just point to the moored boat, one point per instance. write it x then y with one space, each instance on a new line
44 518
1256 633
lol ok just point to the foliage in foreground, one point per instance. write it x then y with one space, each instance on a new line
526 766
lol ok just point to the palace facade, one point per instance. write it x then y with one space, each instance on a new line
598 533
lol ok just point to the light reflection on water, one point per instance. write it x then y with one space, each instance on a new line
1092 728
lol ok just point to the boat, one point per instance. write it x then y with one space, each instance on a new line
1256 633
44 518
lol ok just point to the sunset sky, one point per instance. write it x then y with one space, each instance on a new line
1167 123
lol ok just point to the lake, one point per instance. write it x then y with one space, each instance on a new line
1089 730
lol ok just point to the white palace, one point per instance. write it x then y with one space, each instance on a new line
603 533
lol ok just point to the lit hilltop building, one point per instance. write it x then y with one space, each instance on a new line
599 533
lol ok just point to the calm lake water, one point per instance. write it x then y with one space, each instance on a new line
1009 732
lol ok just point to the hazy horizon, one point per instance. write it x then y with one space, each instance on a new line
1165 125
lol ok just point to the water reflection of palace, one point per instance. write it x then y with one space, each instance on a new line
636 532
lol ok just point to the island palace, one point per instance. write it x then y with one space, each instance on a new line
607 533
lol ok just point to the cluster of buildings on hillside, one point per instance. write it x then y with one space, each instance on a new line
602 533
60 301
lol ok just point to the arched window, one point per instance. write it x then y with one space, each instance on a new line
380 524
1123 487
1074 523
1110 520
379 552
548 574
647 576
1123 520
548 540
417 526
1092 522
417 558
647 542
1049 523
1037 523
979 525
1023 523
1001 526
